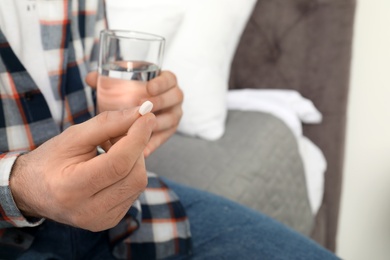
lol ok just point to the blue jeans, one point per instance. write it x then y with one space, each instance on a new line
221 229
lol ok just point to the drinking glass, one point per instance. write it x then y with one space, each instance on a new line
127 60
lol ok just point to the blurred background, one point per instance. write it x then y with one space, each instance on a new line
364 227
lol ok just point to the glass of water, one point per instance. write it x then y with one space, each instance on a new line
127 60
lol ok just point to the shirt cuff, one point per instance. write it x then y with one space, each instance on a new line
10 214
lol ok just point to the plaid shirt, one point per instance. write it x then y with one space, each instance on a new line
156 225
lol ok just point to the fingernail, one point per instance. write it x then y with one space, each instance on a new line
145 108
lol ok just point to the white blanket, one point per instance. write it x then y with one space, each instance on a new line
293 110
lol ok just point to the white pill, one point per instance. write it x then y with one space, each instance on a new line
146 107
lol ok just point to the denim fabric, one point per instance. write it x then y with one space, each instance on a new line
221 229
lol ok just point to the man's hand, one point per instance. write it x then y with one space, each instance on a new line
167 99
65 181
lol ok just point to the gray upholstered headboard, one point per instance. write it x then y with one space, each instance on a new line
305 45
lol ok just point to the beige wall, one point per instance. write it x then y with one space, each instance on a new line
364 231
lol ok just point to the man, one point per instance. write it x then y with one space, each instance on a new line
59 199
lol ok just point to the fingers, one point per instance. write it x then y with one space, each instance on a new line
170 98
110 219
112 203
107 169
129 188
91 79
165 81
168 119
103 127
164 91
106 146
157 140
167 101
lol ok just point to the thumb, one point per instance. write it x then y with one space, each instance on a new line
105 126
118 162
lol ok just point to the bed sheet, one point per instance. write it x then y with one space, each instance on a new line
294 110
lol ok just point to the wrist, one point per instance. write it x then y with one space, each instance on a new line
19 186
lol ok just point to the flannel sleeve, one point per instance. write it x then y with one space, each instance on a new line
10 215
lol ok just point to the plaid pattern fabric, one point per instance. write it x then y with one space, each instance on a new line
156 226
162 231
69 31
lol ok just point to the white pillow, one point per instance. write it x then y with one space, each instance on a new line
202 37
161 17
201 56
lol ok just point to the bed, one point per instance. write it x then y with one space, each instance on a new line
302 47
